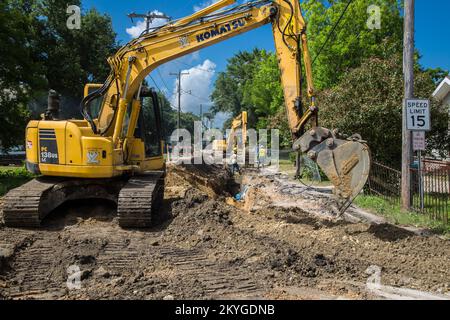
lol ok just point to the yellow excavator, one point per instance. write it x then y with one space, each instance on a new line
116 151
231 142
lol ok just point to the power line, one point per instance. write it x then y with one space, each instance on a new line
163 81
197 68
195 96
156 85
159 89
332 30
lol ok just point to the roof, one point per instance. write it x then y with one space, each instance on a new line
443 90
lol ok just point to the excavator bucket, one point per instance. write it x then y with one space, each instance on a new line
346 162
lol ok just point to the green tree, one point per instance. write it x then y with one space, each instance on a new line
74 57
40 53
352 42
170 118
368 101
230 86
19 69
263 92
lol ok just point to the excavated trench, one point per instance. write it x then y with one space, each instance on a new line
204 244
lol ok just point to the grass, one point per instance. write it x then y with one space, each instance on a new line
432 203
394 214
13 177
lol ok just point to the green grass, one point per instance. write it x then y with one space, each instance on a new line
13 177
432 203
394 214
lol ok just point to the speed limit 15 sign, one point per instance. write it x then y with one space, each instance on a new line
418 115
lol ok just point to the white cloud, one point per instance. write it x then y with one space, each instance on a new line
199 83
204 4
140 26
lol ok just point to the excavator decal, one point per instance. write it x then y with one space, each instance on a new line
223 29
48 146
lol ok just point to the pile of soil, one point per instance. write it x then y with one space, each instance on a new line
201 247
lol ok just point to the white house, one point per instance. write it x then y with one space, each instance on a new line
442 95
442 92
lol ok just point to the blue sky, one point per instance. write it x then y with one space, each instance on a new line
432 40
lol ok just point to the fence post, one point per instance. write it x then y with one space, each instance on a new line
421 191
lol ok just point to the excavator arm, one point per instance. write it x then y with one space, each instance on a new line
345 161
238 123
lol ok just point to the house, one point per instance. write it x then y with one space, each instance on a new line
442 92
442 95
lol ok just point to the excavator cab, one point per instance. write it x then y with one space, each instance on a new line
97 103
149 128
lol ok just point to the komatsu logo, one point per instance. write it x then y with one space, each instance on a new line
221 30
92 157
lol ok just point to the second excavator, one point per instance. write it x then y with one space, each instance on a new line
116 151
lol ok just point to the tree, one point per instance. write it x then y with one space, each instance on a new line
230 86
40 53
170 116
74 57
352 42
19 69
263 92
368 101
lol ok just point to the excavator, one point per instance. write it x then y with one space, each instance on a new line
115 152
231 142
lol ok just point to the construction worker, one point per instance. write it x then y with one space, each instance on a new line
261 155
234 166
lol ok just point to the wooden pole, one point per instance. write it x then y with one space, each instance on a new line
408 70
179 75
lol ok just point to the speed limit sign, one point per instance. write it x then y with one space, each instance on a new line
418 115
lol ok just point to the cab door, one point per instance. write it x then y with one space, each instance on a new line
149 127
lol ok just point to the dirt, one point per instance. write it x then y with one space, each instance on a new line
280 243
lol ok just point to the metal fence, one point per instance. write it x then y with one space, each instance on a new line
385 182
434 200
433 180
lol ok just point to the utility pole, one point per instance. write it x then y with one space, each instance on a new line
148 17
179 75
408 71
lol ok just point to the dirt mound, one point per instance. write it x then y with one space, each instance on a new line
212 180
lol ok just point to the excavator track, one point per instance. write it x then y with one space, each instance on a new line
139 199
21 206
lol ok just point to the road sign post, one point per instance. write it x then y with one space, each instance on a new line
418 115
419 145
